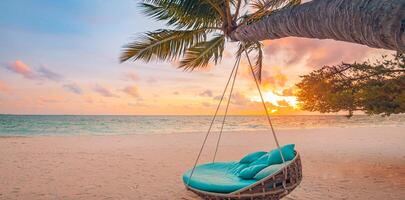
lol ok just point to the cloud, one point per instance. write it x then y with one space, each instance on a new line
278 79
4 88
315 53
239 99
288 92
21 68
217 97
132 76
207 93
176 93
131 91
48 74
74 88
283 103
103 91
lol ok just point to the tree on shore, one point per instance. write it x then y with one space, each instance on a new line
375 88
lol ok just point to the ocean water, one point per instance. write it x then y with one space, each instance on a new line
28 125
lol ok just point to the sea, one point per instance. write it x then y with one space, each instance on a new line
37 125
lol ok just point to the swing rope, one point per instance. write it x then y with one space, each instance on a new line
226 111
233 74
265 107
213 119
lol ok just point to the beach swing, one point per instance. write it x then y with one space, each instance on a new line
259 175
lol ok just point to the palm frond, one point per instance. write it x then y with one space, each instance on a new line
219 6
266 7
259 62
202 53
238 6
257 49
182 14
162 44
273 4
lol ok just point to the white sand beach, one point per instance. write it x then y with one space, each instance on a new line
338 163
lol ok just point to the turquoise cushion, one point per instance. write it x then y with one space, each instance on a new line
252 157
270 170
251 171
286 150
263 160
215 177
223 177
236 168
273 157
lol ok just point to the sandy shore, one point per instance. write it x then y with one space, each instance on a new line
340 163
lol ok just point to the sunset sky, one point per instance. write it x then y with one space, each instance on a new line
61 57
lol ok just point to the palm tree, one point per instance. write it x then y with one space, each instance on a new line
198 29
375 23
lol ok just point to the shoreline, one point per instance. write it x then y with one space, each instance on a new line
338 163
213 131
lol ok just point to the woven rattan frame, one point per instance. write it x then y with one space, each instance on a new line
273 187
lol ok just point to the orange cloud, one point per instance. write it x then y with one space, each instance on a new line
239 99
207 93
315 53
278 80
21 68
132 91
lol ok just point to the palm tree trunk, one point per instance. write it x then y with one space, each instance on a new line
375 23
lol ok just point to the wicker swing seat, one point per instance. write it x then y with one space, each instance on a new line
273 187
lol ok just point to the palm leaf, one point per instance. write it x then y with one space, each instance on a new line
273 4
162 44
266 7
259 62
202 53
194 16
219 6
256 48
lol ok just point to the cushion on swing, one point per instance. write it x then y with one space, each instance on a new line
224 177
251 171
216 177
269 170
273 157
237 167
252 157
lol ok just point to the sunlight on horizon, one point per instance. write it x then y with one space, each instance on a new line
277 100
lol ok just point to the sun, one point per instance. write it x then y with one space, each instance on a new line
277 100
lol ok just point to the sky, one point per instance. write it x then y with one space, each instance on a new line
61 57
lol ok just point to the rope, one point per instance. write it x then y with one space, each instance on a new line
265 107
212 121
236 66
226 111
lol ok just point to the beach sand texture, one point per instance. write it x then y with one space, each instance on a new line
338 163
